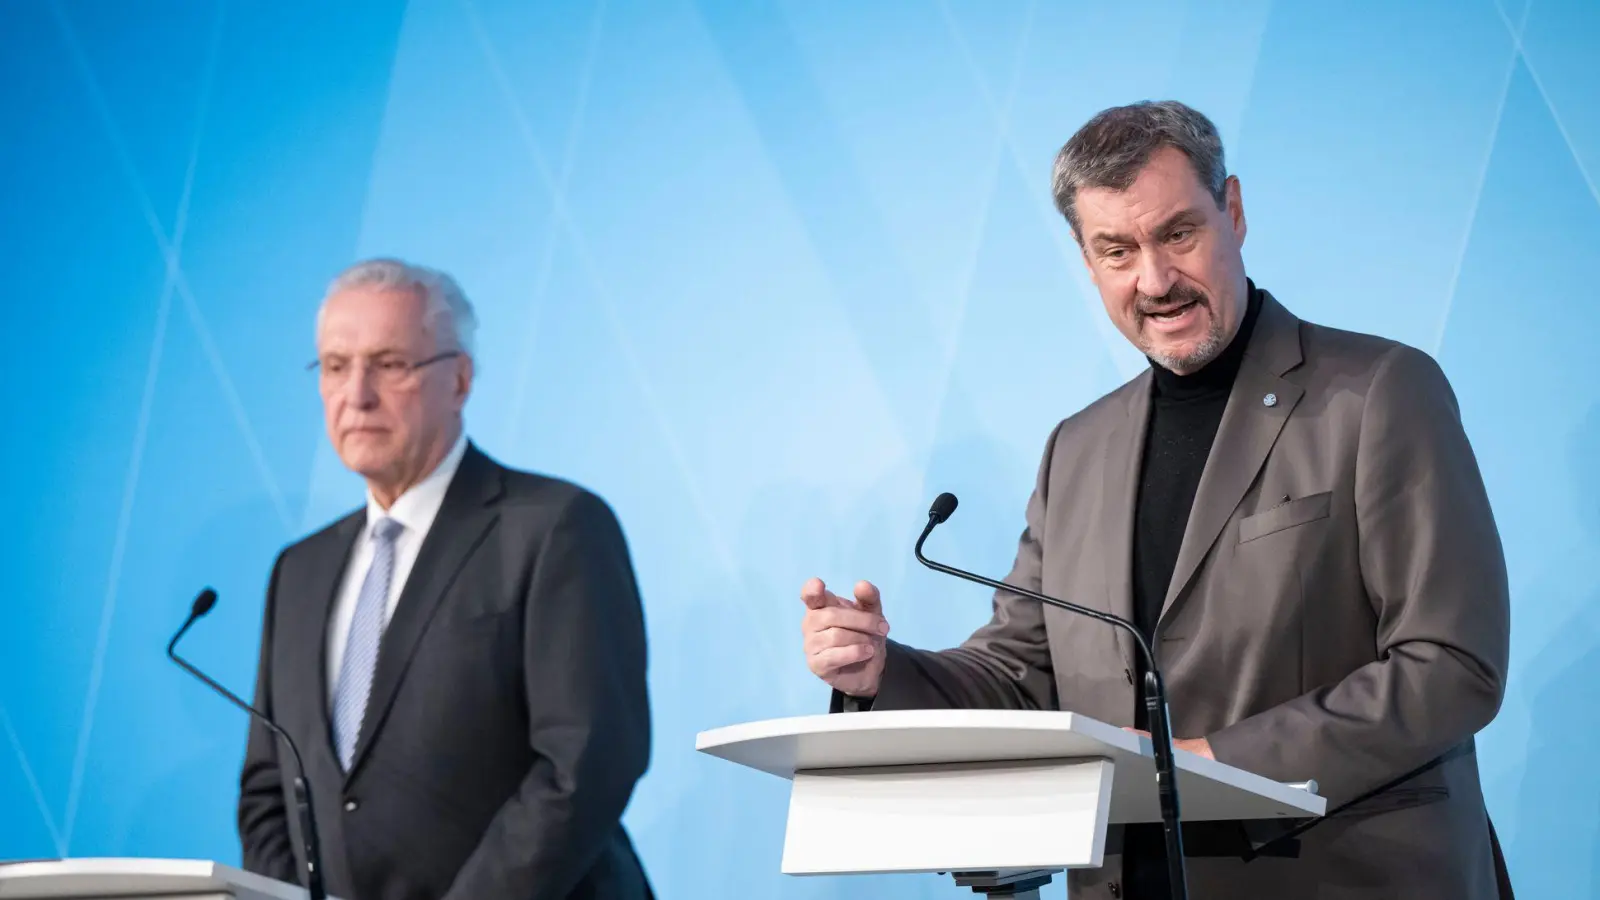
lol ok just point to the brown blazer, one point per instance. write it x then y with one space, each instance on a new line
1339 610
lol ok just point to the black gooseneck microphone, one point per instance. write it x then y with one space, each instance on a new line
302 790
1155 693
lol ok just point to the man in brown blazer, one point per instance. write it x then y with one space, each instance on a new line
1290 513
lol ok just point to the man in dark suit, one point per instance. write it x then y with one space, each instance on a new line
1290 514
462 662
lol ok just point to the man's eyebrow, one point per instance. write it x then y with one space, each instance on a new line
369 354
1181 217
1101 238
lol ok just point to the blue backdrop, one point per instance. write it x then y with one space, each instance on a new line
768 276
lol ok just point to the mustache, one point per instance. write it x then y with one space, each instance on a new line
1180 295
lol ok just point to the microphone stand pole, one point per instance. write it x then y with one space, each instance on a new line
315 889
1155 701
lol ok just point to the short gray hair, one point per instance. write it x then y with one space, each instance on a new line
1112 148
447 312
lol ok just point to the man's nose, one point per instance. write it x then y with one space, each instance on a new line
359 388
1156 274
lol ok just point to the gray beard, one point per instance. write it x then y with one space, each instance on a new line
1209 349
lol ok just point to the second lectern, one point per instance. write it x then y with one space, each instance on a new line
1000 799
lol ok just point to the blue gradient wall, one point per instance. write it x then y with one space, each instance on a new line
767 275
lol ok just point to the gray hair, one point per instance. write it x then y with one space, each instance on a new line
447 314
1112 148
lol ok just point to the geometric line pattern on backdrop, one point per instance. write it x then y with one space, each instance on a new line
1043 204
1001 116
33 783
173 281
547 259
580 249
848 239
1516 39
1483 176
208 344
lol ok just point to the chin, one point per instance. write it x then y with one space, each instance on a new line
1183 351
365 459
1186 358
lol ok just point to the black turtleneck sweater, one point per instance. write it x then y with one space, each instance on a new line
1185 412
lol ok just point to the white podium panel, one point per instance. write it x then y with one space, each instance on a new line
938 818
971 790
148 879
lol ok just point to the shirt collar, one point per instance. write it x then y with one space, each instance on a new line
419 505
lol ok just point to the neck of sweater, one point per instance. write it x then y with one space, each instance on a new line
1218 374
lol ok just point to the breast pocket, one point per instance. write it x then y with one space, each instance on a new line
1286 515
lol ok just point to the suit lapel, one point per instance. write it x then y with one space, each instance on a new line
464 519
1250 426
1121 487
329 558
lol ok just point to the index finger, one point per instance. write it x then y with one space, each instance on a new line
868 598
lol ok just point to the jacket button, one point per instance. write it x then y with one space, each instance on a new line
351 806
1116 889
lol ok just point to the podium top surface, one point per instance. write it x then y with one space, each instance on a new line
1210 789
113 877
912 737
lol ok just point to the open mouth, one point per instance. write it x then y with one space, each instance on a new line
1173 314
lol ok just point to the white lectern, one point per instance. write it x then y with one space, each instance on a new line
147 879
1001 799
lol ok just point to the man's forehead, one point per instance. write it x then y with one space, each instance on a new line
377 297
372 316
1123 215
1167 183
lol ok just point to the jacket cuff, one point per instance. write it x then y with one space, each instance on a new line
844 703
892 687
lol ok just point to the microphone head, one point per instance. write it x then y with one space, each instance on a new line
943 506
203 603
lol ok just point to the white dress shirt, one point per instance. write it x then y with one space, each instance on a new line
415 509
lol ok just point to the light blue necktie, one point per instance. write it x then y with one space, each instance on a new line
361 649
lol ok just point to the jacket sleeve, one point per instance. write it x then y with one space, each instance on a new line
588 714
264 833
1006 663
1434 570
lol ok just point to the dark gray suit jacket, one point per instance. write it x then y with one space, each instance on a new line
508 720
1339 610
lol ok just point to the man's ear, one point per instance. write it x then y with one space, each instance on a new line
1235 202
466 368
